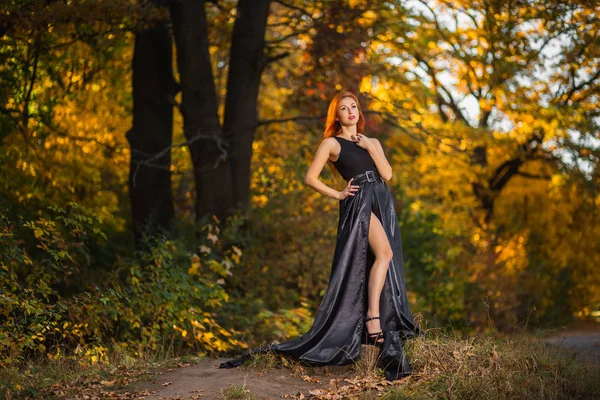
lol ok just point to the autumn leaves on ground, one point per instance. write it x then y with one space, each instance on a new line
153 212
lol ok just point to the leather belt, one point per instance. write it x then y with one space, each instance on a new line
367 176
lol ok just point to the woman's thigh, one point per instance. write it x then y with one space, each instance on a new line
380 245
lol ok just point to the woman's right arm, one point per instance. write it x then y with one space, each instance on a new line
314 170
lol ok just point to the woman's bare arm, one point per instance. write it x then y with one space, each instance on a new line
314 170
383 166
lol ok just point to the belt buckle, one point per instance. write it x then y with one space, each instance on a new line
370 176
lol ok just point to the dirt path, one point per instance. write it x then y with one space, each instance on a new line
205 380
584 343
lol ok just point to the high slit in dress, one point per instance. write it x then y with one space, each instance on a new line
338 329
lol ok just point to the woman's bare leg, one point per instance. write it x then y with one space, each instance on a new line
380 246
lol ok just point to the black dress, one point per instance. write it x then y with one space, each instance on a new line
338 329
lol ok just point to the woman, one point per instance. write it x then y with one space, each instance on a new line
365 301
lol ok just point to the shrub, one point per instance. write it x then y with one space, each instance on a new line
52 302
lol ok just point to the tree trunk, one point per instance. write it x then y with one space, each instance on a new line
202 128
150 137
247 62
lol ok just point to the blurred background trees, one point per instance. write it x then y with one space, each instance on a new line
184 129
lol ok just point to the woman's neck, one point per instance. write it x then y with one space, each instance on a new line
349 130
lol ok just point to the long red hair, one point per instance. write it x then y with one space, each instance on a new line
333 127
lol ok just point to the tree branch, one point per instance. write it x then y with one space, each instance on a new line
438 86
277 57
532 176
309 118
293 7
576 88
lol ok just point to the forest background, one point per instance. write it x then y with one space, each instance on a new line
153 154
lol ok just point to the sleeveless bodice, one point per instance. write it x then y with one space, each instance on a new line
353 159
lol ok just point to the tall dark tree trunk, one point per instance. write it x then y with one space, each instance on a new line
199 108
150 137
247 62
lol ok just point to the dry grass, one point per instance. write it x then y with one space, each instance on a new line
367 365
483 367
447 366
269 360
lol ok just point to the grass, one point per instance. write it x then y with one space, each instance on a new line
270 360
483 367
237 392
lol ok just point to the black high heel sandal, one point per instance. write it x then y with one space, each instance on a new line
373 339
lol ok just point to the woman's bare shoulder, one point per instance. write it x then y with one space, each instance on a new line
331 143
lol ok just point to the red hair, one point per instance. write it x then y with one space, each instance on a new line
333 127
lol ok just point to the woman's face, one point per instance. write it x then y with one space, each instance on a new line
347 111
